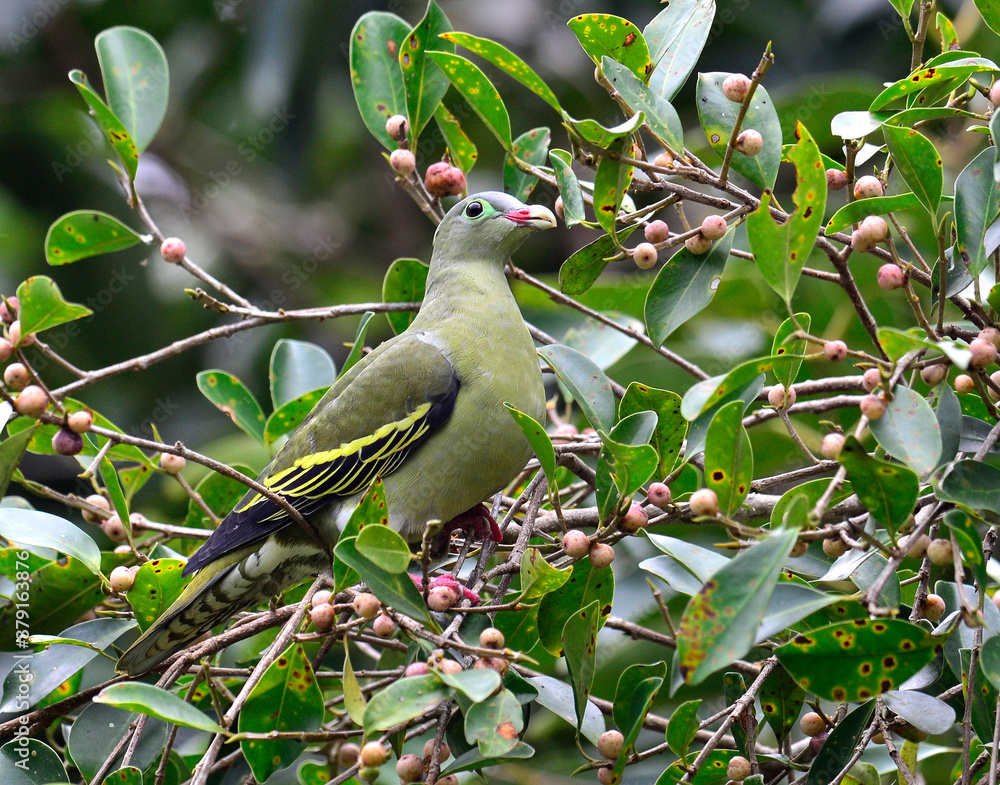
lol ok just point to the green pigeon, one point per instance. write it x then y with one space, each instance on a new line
423 411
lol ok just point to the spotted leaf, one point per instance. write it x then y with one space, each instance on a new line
728 458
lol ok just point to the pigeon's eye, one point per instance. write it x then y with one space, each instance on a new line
474 209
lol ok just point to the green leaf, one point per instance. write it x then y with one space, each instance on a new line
291 415
728 458
599 135
357 348
611 184
671 427
354 698
383 546
606 35
112 127
989 660
83 233
578 273
495 724
584 587
573 209
157 584
45 765
626 460
718 117
136 79
405 282
783 344
394 589
60 591
661 117
720 622
473 761
684 287
990 13
376 77
840 746
628 683
129 775
932 74
540 443
234 400
859 209
897 343
781 699
508 62
476 685
855 125
156 702
641 701
287 698
781 251
676 37
973 484
371 510
461 148
747 392
296 368
42 305
538 577
579 644
858 659
425 85
11 450
909 431
557 696
44 530
977 201
479 91
531 147
587 383
712 771
403 701
902 7
925 712
705 394
683 727
918 163
61 658
220 493
97 731
888 491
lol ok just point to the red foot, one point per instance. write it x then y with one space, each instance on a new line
478 519
449 581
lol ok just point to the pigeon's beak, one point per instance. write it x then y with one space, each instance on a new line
533 216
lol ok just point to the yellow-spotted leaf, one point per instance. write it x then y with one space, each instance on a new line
859 659
538 577
287 698
157 584
425 85
111 125
781 699
375 73
712 771
783 343
705 394
495 724
728 458
610 184
290 415
606 35
671 427
461 148
531 147
508 62
479 91
84 233
42 305
933 73
720 622
887 490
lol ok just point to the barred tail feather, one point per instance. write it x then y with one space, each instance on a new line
219 590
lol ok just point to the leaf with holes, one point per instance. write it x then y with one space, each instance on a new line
859 659
425 85
781 251
918 163
405 282
720 622
84 233
728 458
684 287
718 118
234 400
375 73
480 93
888 491
287 698
676 37
531 147
606 35
508 62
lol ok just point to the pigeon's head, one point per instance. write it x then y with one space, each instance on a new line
490 224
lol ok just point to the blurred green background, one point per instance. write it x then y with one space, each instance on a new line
264 168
